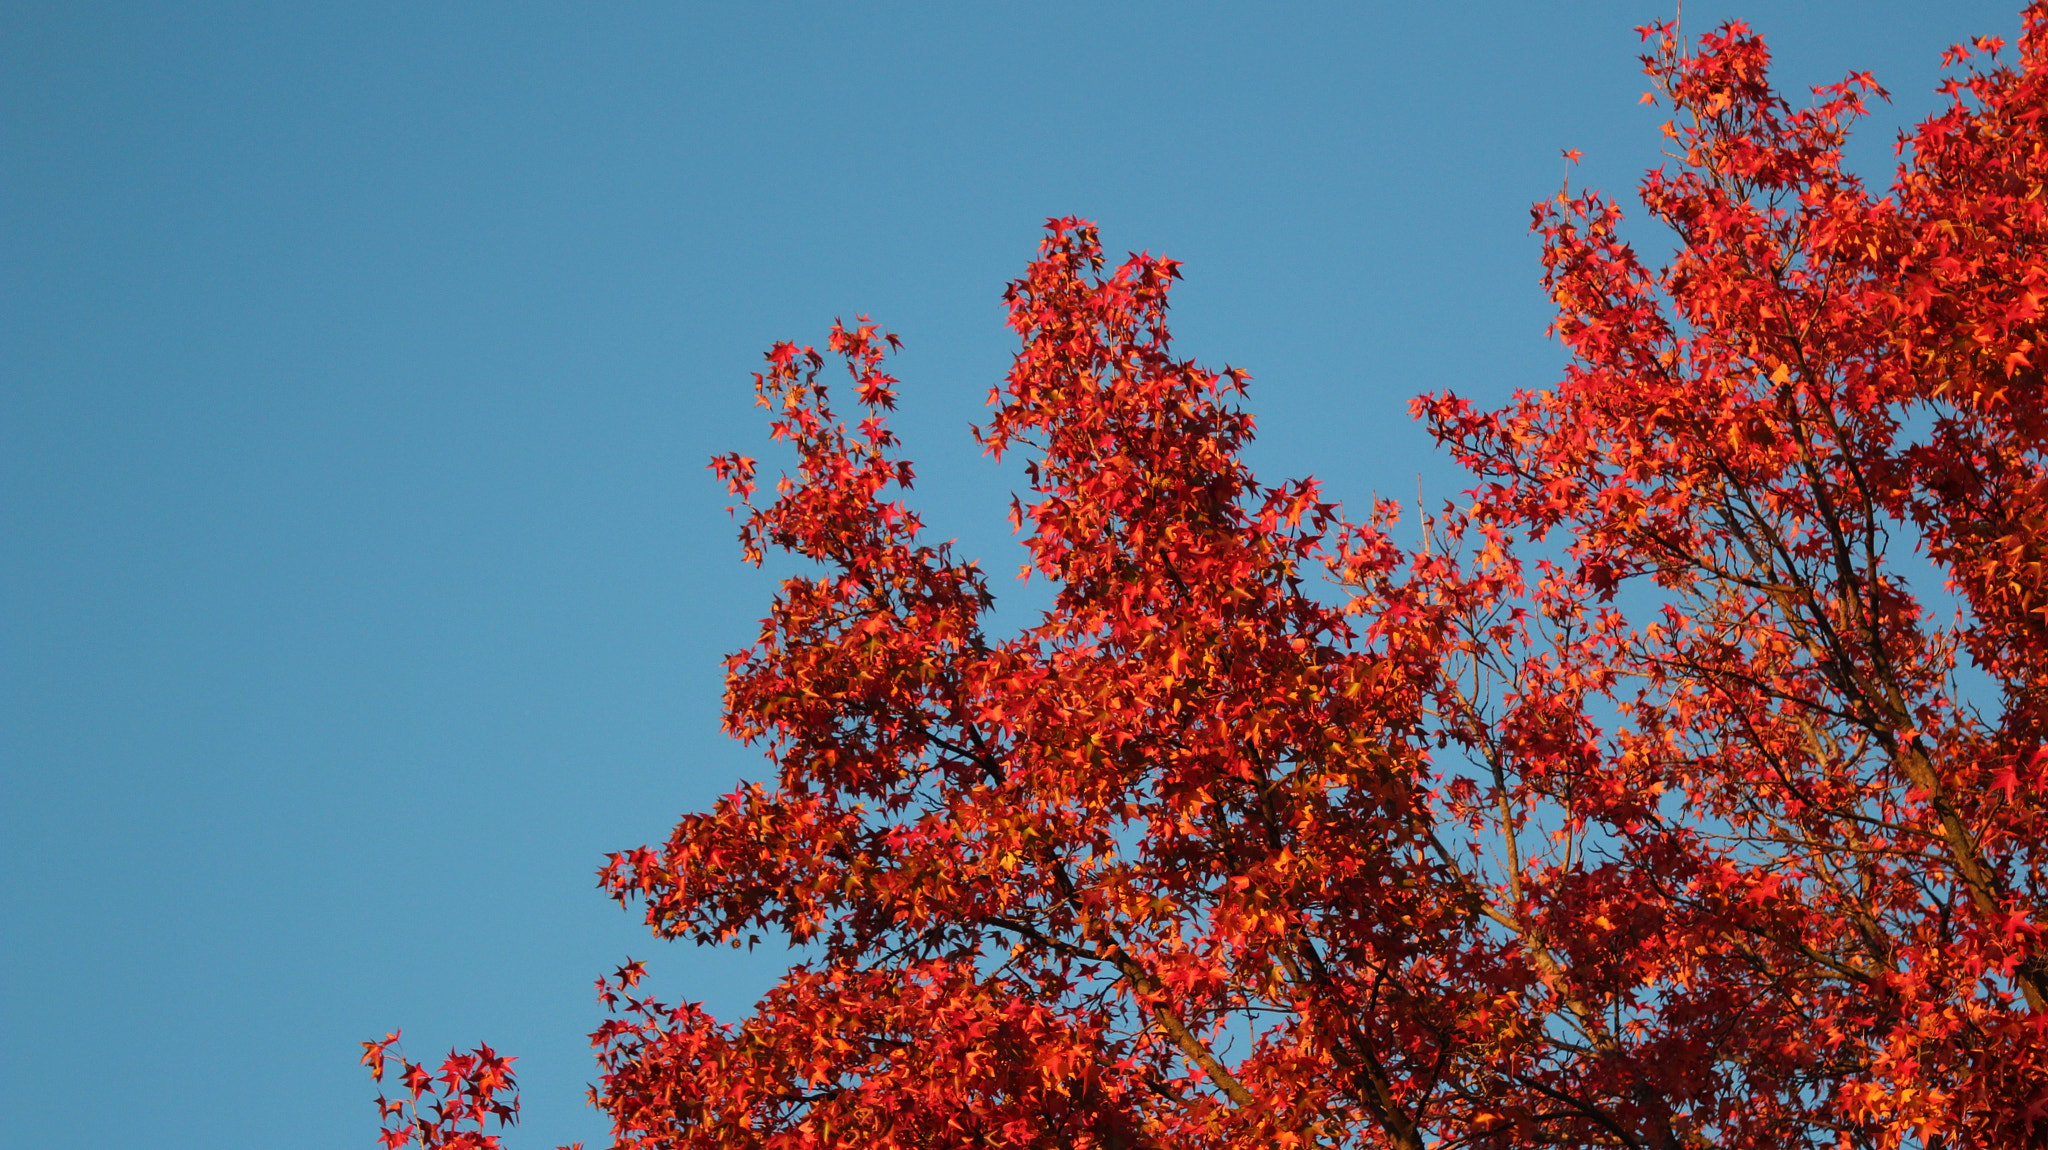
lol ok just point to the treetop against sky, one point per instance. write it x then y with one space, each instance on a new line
369 592
1475 850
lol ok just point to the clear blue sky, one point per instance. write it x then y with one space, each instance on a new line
360 580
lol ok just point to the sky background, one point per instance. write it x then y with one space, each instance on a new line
361 583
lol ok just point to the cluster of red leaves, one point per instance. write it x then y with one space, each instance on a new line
1650 803
1850 857
447 1110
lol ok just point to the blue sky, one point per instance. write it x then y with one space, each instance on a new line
360 580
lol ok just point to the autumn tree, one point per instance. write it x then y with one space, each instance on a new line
1687 788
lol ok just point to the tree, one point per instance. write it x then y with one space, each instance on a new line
1687 788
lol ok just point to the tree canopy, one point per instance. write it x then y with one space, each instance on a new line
1687 787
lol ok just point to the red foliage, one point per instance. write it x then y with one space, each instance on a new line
447 1110
1653 803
